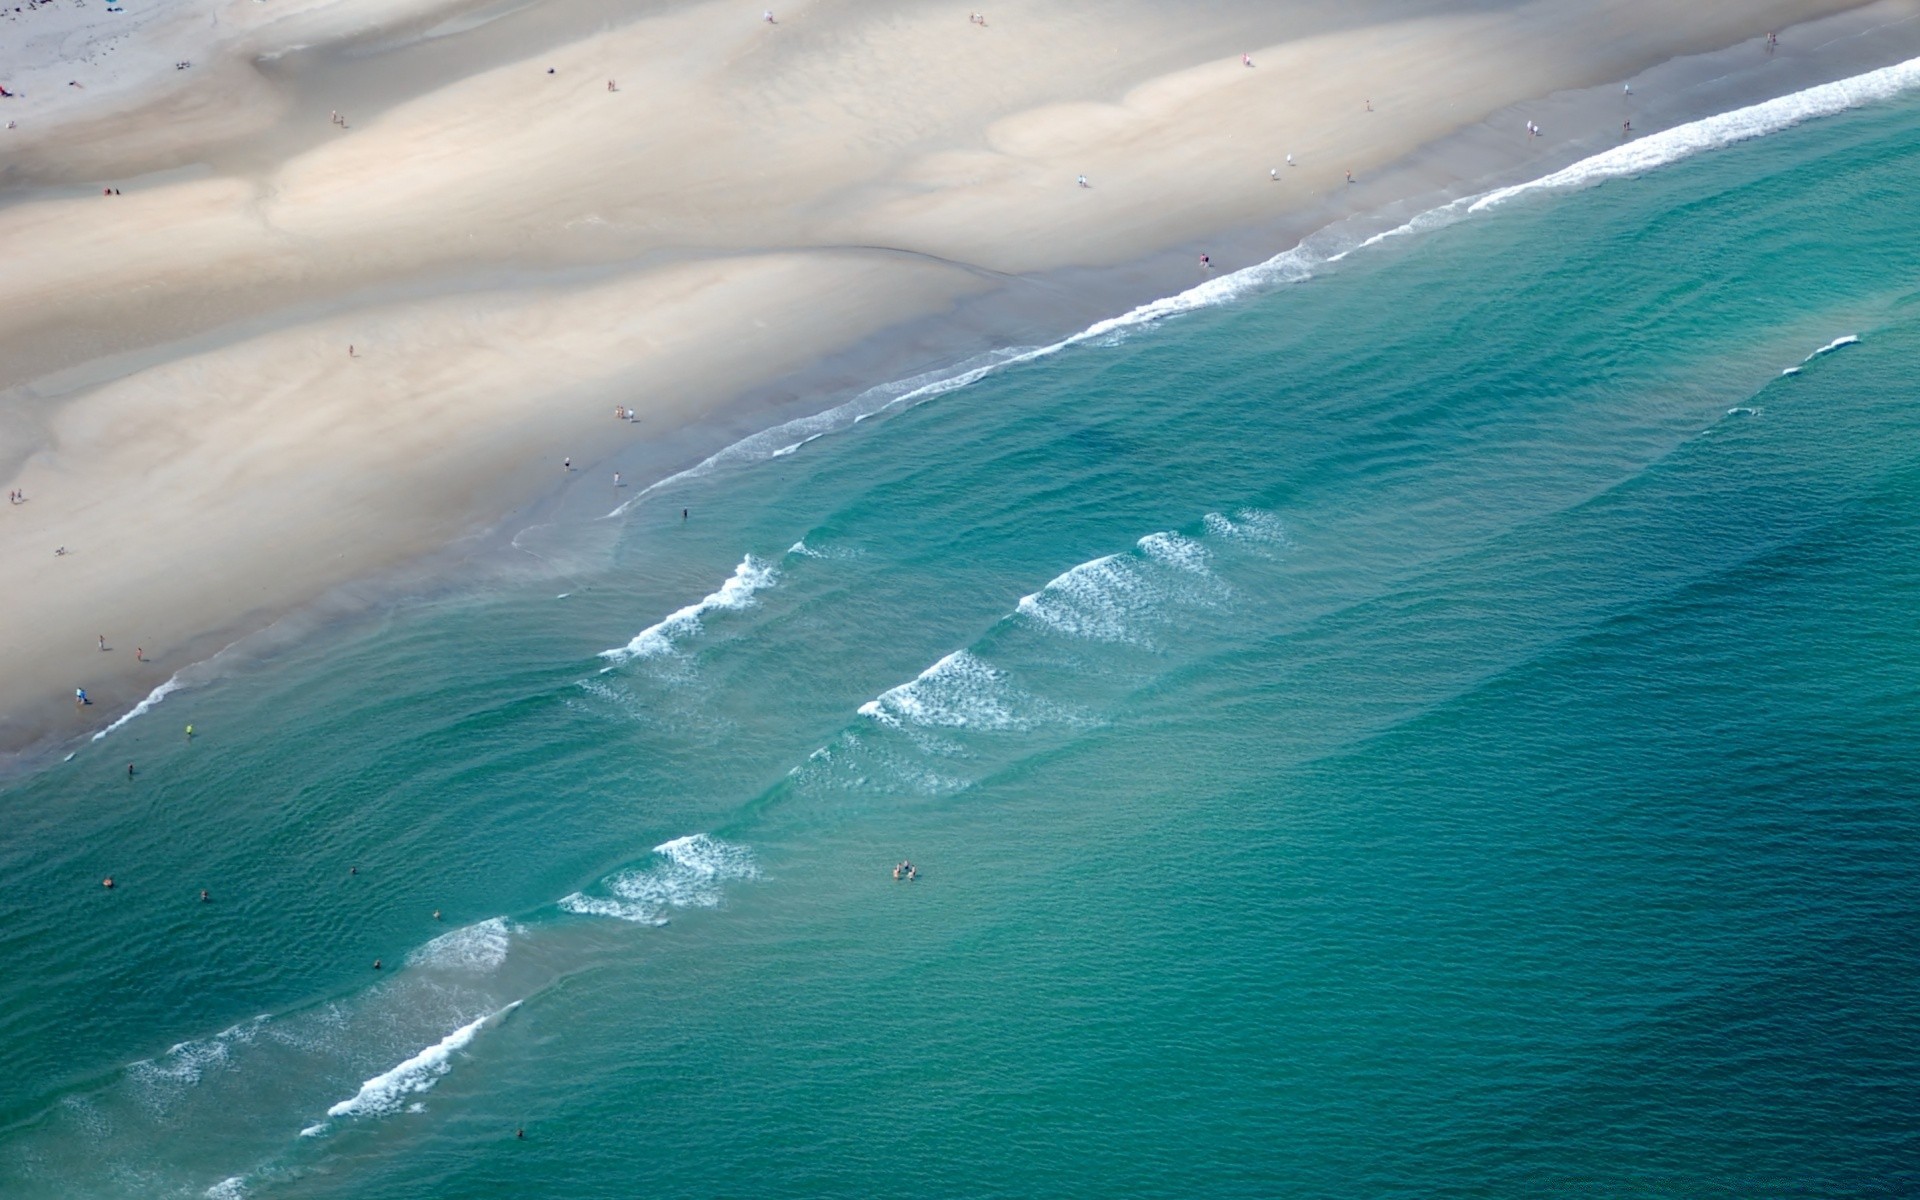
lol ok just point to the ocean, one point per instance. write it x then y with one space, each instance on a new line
1436 717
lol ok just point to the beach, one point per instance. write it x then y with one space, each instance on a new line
769 642
249 355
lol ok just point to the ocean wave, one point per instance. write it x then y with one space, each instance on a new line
749 578
1725 129
145 706
387 1092
1100 599
476 948
961 691
186 1063
1845 340
1116 597
233 1188
788 436
1247 527
687 872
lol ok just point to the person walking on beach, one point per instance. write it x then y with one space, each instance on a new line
103 641
566 464
1246 60
1349 176
1082 181
616 479
610 86
767 16
139 655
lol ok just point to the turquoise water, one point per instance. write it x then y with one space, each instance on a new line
1443 728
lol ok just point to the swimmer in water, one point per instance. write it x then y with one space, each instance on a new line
107 883
376 964
436 914
203 896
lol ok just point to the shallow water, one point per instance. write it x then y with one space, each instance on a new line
1443 727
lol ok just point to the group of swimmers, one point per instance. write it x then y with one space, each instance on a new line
905 870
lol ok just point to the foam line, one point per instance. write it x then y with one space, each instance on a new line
1848 340
141 709
687 872
737 592
1711 133
387 1091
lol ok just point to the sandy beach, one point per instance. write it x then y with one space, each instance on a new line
248 353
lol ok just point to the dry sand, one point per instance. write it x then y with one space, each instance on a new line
512 249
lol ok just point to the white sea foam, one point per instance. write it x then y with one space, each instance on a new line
749 578
687 872
141 709
1711 133
476 948
1111 599
1830 347
387 1092
961 691
186 1063
1177 551
1097 599
783 451
1248 527
232 1188
1791 371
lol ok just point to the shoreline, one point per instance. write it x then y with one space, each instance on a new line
958 319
